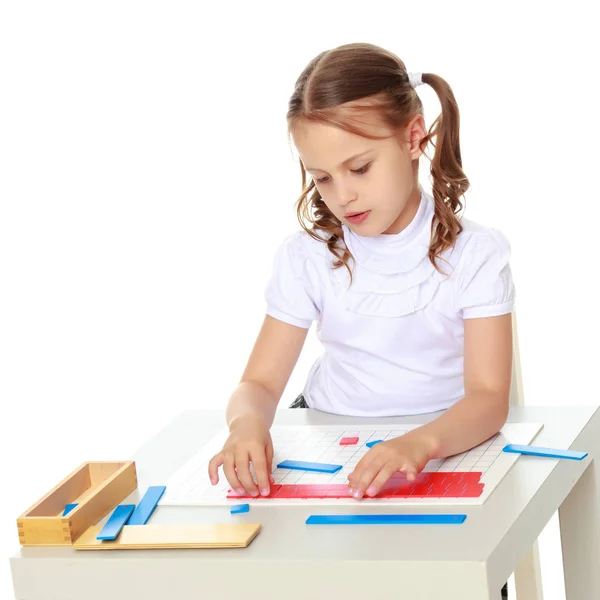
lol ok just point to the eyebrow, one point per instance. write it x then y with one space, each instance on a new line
345 162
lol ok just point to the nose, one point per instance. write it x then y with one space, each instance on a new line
346 195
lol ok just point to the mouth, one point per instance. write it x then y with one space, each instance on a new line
357 217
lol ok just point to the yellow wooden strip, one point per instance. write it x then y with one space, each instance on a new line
147 537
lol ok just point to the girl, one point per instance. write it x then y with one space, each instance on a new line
420 321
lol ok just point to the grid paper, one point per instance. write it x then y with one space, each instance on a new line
190 485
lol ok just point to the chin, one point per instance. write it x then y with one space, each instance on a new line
370 233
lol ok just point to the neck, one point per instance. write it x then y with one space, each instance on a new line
407 215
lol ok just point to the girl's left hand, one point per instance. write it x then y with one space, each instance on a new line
408 453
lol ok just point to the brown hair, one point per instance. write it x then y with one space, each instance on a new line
362 71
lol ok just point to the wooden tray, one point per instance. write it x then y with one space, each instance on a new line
148 537
96 488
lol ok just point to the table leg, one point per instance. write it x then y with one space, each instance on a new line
579 518
528 577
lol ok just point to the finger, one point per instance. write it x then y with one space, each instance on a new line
366 476
259 462
374 454
270 462
213 468
242 467
362 464
380 479
411 471
231 474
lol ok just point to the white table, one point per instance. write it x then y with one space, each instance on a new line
292 560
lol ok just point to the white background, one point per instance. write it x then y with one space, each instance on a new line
146 180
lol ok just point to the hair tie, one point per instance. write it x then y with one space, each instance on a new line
415 79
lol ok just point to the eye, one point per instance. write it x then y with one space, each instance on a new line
360 171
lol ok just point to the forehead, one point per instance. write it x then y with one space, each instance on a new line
325 147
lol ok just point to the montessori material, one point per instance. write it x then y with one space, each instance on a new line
95 487
478 470
146 505
436 519
150 537
115 523
371 444
547 452
424 486
314 467
349 441
68 509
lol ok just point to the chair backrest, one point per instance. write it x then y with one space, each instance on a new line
516 384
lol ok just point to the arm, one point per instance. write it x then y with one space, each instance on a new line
487 375
472 420
293 295
267 372
251 408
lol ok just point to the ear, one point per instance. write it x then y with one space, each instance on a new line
415 132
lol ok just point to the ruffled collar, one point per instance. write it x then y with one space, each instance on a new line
397 252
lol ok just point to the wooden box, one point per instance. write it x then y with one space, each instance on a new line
96 488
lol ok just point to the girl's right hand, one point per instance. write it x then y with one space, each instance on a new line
249 441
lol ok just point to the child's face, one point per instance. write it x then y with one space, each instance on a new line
384 180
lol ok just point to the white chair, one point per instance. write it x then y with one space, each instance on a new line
528 580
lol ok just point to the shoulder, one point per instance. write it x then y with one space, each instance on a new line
483 264
478 240
294 291
301 244
477 233
301 256
484 285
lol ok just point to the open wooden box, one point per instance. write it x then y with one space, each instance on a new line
96 488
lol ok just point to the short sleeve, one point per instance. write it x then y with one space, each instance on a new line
292 292
485 285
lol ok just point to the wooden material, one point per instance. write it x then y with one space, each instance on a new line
96 488
149 537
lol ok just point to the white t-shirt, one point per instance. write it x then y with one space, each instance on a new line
394 340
